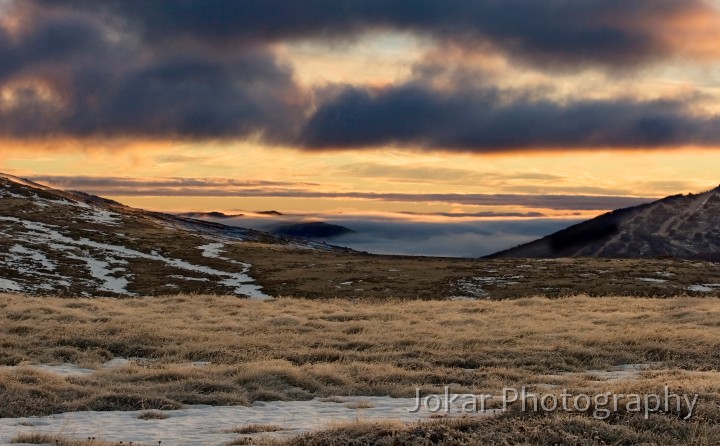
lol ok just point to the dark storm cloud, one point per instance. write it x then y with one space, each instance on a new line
103 82
61 49
485 120
606 32
195 96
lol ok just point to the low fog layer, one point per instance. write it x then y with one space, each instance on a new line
466 237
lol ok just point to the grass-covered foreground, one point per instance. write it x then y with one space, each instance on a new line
228 351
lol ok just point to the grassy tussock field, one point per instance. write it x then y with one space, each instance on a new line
299 349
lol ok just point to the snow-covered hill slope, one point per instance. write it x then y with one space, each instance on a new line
680 226
66 243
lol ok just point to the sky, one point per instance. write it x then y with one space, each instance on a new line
499 109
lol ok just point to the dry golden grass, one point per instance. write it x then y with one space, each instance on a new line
152 415
299 349
358 405
255 429
516 429
284 270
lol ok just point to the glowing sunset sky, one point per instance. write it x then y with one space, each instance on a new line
429 106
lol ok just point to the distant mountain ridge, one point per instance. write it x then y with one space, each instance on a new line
679 226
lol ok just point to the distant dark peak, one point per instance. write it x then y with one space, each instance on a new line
221 215
271 213
311 230
209 215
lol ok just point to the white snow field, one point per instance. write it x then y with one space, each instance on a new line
208 425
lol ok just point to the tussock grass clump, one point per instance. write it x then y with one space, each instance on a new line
153 415
365 404
250 429
333 399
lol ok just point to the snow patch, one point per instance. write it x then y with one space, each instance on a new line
100 270
62 370
704 288
470 289
9 285
68 369
206 425
102 216
212 250
34 255
652 280
194 279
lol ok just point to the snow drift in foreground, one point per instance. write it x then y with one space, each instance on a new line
208 425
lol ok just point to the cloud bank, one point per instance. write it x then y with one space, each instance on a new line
209 69
189 187
489 120
606 32
470 239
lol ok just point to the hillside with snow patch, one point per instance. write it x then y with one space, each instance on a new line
64 243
